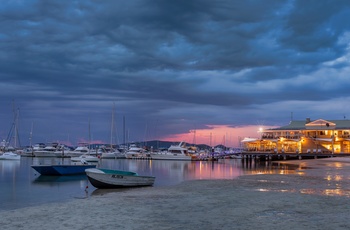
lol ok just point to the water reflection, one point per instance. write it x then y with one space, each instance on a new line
100 192
200 170
61 179
21 185
321 177
9 166
326 192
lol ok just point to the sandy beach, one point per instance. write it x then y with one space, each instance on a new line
263 201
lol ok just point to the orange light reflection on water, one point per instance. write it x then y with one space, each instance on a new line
282 170
334 178
338 165
327 192
207 170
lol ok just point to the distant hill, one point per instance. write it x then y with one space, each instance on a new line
156 144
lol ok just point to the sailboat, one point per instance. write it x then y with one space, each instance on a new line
88 157
8 152
29 152
10 156
111 153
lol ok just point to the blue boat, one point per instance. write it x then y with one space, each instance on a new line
62 170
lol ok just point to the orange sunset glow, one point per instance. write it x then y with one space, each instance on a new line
218 134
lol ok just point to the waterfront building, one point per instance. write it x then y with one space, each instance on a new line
306 136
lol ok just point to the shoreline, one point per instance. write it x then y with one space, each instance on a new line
262 201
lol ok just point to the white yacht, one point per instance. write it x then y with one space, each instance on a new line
62 150
135 152
78 151
10 156
47 151
111 154
174 152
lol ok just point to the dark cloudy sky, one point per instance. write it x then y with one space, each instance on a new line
170 66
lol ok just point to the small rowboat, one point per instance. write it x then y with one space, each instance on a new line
107 178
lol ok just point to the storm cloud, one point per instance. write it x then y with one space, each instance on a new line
170 66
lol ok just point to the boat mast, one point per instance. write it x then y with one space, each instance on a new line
31 136
145 137
112 125
89 137
15 127
124 132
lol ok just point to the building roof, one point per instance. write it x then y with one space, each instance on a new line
315 124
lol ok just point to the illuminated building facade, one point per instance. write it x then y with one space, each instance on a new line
307 136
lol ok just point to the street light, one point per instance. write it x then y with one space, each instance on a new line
260 131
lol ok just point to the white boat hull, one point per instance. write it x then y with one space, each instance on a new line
10 156
104 178
166 156
44 154
86 158
108 156
174 152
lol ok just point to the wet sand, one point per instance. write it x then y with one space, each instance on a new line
309 200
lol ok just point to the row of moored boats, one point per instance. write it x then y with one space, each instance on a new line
174 152
82 158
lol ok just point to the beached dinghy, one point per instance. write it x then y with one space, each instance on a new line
106 178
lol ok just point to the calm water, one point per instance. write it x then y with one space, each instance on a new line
22 186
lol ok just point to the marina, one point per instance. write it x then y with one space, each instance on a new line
23 186
59 175
287 195
175 115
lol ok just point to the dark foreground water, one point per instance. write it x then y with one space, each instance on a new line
22 186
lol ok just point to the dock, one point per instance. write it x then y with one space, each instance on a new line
268 156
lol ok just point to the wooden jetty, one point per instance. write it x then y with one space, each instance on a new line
289 156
